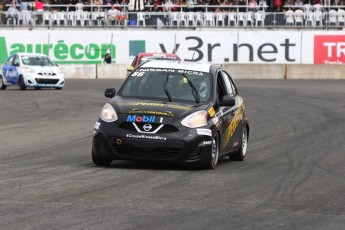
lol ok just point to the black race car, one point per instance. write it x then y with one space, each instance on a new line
172 112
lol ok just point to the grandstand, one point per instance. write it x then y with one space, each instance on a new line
262 14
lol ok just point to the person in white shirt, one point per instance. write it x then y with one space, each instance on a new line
12 13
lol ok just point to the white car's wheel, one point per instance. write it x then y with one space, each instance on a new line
21 83
2 85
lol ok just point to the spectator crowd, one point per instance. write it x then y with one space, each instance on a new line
158 5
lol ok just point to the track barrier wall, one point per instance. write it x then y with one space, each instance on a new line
237 71
246 54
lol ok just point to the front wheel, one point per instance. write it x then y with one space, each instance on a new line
212 160
2 85
100 161
241 153
21 83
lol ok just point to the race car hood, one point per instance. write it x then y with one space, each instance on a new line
44 69
174 111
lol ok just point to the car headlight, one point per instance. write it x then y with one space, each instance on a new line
108 113
195 120
59 71
28 70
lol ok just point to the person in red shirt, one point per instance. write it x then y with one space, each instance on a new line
39 5
39 10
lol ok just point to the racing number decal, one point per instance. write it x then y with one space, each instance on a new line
138 74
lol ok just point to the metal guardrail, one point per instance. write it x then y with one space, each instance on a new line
237 17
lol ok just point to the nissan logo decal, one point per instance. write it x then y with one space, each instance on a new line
147 127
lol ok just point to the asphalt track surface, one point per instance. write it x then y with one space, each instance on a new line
293 176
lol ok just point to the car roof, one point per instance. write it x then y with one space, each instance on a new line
157 54
201 67
31 54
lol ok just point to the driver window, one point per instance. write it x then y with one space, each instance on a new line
16 61
229 86
221 88
9 61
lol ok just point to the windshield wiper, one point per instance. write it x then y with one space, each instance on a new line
165 88
194 90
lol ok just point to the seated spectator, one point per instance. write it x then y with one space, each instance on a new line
299 3
79 6
183 3
168 5
121 16
241 3
212 3
278 5
12 12
113 13
156 6
39 5
201 3
227 3
124 5
176 6
117 5
287 5
108 4
190 5
24 6
252 5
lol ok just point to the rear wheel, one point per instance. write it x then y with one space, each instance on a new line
241 153
212 160
100 160
2 85
21 83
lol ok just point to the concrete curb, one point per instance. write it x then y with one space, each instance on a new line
237 71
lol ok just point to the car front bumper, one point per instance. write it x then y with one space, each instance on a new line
188 145
35 80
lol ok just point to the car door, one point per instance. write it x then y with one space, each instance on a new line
225 115
15 69
236 111
7 69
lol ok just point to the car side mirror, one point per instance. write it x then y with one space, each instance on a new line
227 101
15 64
130 69
110 92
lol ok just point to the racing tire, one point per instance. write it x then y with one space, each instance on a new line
212 160
21 83
100 161
58 88
241 153
37 88
2 85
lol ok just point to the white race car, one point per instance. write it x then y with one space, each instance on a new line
31 70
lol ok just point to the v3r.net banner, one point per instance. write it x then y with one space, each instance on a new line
212 46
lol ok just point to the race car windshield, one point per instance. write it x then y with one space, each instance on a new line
151 58
168 85
37 61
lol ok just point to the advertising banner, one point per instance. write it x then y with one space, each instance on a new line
89 46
